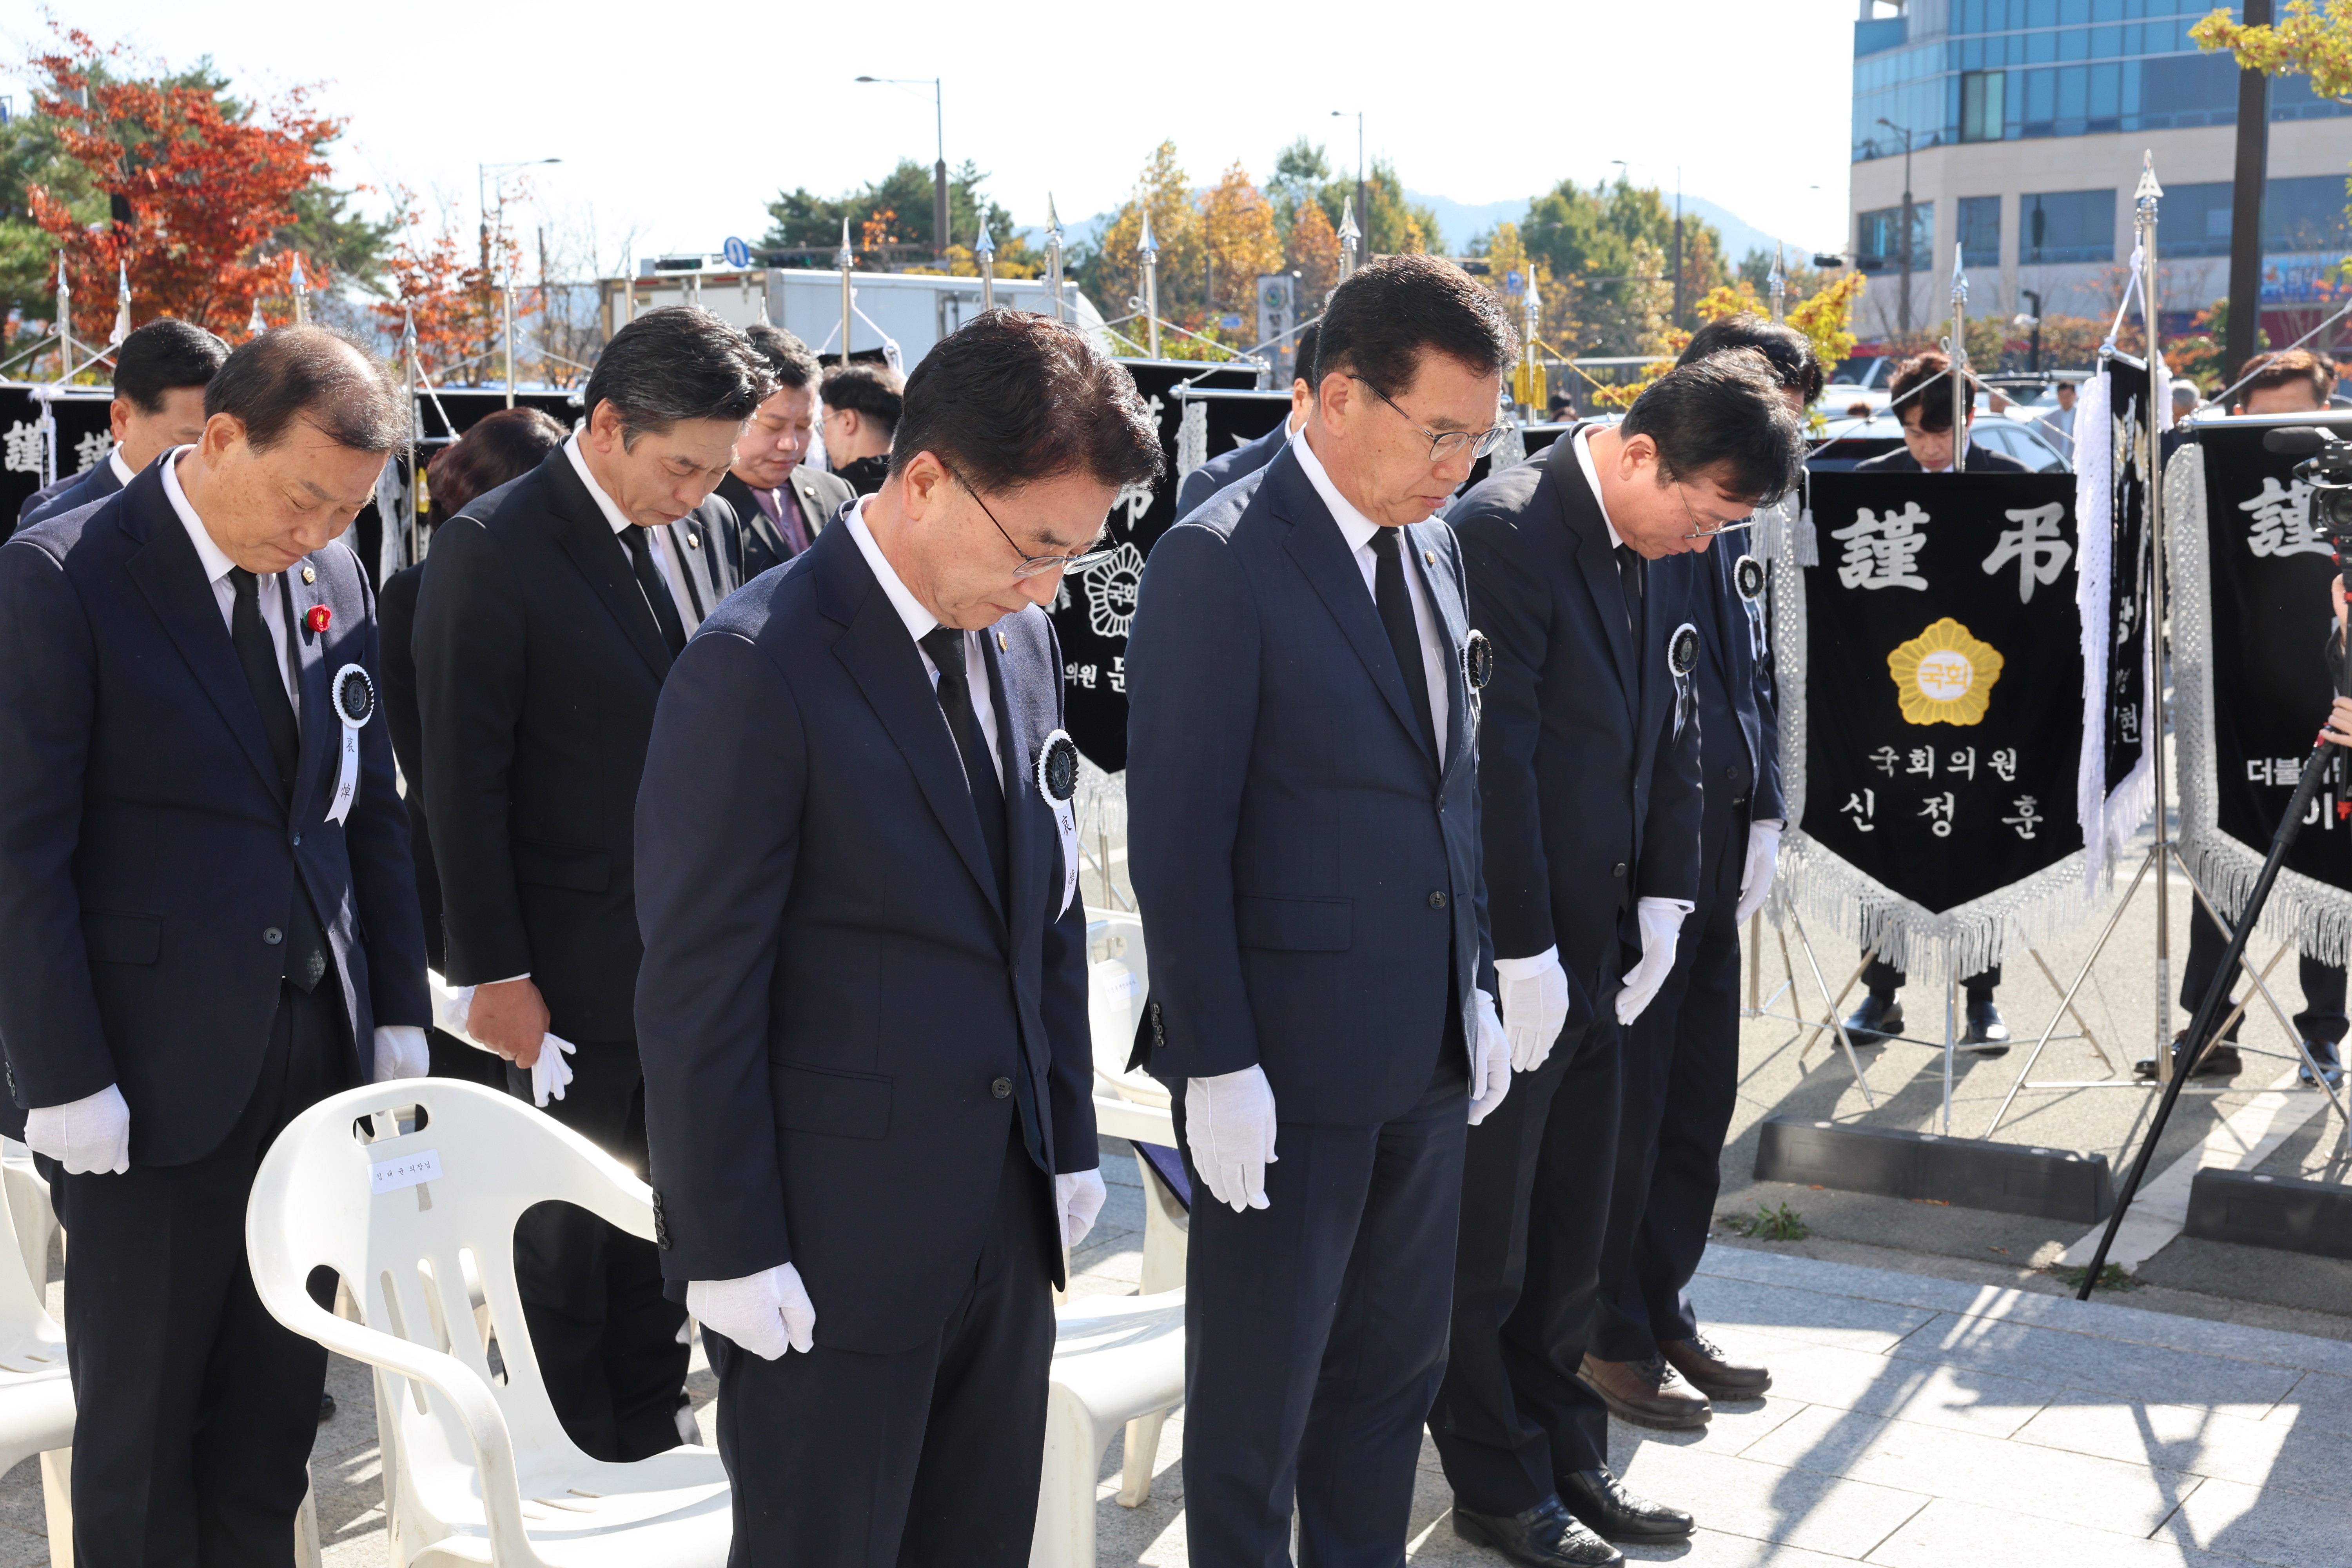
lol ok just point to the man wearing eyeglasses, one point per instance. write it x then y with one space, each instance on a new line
863 1006
1302 787
1580 571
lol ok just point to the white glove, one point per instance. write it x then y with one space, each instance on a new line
549 1075
1490 1074
1756 877
1077 1198
401 1052
767 1313
1535 1005
1662 921
1229 1122
90 1136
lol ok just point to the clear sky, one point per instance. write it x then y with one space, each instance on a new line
679 122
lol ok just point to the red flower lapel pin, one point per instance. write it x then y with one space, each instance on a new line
319 619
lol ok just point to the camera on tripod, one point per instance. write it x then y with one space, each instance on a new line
2327 468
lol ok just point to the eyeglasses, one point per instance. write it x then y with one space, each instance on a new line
1035 565
1708 531
1444 445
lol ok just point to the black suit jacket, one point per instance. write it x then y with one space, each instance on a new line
1981 460
1305 870
1218 472
395 614
538 661
93 484
841 1021
1739 720
1592 799
146 843
760 544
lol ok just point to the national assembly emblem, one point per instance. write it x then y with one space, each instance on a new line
1945 675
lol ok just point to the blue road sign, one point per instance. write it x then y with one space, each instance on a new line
737 254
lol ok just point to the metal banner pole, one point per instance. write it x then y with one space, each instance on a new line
1348 234
1053 254
1149 255
506 302
301 294
2145 199
842 260
415 430
985 254
1778 284
1961 401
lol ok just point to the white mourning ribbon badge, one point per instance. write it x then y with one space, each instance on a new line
1747 580
1057 786
1682 659
353 696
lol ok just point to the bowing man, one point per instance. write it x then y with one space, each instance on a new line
779 501
1302 781
1580 569
207 922
551 611
863 1006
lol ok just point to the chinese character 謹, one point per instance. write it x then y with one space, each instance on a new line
91 450
2034 545
1964 763
23 448
1938 809
1883 551
1861 808
1884 758
2028 819
2004 763
2280 520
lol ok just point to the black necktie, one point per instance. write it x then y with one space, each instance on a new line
945 645
1630 581
1404 636
305 945
656 592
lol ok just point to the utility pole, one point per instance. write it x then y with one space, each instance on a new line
2251 174
1363 197
1903 300
1679 246
939 167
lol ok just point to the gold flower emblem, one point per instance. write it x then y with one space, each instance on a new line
1944 676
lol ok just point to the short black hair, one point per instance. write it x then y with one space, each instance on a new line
1789 352
1923 375
164 356
787 358
1385 317
1303 346
864 389
1011 398
680 361
313 375
1725 412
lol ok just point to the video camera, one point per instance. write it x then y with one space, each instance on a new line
2327 468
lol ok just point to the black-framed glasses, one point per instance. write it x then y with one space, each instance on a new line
1444 445
1035 565
1708 531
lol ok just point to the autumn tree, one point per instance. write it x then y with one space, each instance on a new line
437 281
891 219
1312 250
1238 233
2303 42
1112 272
1589 239
200 190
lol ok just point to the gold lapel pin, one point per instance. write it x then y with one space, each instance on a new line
1000 646
310 574
1429 557
693 542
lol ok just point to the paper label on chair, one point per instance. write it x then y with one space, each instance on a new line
405 1171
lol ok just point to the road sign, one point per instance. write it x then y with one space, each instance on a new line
738 253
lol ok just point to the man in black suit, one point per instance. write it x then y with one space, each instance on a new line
1302 784
1682 1055
1923 403
779 501
160 373
1251 455
206 923
863 1006
551 610
1580 570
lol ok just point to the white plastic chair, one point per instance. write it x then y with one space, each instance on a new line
31 1212
1119 1361
36 1403
477 1468
1132 1105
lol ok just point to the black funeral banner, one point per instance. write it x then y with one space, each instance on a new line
82 439
1093 610
2130 554
1943 678
2267 622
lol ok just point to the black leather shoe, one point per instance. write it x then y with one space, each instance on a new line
1986 1035
326 1408
2220 1061
2324 1052
1545 1536
1601 1501
1874 1020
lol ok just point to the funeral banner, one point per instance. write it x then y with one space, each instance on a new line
1093 610
2251 615
1930 673
2112 481
48 433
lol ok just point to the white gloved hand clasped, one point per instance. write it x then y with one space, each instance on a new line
767 1313
1229 1124
549 1075
1534 998
1662 922
1490 1056
401 1052
1756 876
90 1136
1077 1199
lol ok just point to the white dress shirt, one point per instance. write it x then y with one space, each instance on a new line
271 589
664 542
920 623
1357 529
123 472
1592 478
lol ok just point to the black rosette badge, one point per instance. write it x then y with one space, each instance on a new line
1682 663
1477 660
352 695
1748 582
1057 785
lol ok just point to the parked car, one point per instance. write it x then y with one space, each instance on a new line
1849 441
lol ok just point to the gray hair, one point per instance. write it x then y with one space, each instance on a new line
311 375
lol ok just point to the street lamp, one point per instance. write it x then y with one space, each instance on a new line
1363 203
1904 299
940 168
482 200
